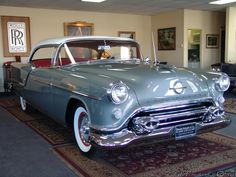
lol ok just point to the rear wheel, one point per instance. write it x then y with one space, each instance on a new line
82 129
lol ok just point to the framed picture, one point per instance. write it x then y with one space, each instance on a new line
127 34
167 38
212 41
16 36
78 29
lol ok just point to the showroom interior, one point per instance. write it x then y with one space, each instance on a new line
202 34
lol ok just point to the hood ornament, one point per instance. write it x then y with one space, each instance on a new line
178 87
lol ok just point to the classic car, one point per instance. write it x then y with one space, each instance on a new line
110 96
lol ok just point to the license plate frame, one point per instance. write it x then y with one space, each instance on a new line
185 131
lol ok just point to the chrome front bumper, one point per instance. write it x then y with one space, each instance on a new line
126 136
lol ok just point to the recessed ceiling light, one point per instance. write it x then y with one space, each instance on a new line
221 2
97 1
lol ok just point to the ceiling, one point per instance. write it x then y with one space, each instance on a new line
138 7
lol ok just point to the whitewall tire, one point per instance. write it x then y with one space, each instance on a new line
82 130
23 104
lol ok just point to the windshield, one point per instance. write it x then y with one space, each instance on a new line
98 50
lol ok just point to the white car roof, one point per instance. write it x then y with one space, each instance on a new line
58 41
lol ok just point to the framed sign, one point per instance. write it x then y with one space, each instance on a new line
212 41
127 34
167 39
16 36
78 29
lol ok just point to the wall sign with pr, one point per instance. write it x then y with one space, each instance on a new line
16 36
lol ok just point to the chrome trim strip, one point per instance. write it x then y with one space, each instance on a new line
41 81
170 111
77 92
86 95
67 89
177 111
176 115
17 82
179 121
148 108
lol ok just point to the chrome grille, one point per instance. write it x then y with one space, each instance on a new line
169 116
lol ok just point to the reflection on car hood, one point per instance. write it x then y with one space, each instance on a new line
150 83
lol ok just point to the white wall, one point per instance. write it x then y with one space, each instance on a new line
230 41
45 23
167 20
209 23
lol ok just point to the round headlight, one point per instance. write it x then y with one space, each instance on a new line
119 93
223 83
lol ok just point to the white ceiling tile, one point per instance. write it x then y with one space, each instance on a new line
140 7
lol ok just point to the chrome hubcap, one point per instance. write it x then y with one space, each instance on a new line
84 129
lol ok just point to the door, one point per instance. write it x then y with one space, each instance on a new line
194 46
38 89
222 46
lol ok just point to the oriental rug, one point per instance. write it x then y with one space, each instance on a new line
230 105
193 157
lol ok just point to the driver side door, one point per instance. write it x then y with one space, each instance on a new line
39 80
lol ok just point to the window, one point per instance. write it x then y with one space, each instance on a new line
43 57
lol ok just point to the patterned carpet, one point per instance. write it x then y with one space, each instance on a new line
208 154
230 105
169 159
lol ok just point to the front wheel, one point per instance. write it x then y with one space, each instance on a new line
82 129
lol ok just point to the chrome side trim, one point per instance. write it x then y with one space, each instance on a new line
67 89
77 92
17 82
41 81
86 95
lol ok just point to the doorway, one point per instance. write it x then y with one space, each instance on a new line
222 46
194 46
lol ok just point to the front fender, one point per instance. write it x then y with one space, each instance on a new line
107 116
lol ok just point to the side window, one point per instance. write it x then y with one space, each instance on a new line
43 57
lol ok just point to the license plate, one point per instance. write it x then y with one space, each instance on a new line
185 131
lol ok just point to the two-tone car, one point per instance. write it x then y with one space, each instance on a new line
103 89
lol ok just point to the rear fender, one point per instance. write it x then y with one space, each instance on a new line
20 73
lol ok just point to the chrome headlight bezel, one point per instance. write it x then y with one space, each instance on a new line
118 93
223 83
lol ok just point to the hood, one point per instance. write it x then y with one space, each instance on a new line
151 84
